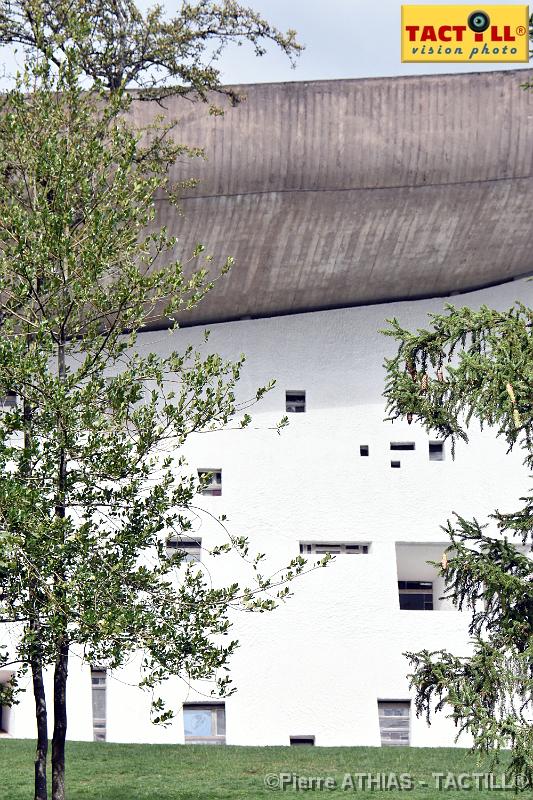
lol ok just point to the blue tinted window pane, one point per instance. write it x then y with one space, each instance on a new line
197 722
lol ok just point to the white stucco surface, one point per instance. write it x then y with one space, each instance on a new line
319 664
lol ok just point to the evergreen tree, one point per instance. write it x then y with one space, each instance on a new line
477 366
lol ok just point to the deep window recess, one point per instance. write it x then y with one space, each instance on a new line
402 445
98 681
364 450
191 547
335 548
395 464
204 723
9 400
394 722
302 740
416 595
436 451
213 487
3 723
295 402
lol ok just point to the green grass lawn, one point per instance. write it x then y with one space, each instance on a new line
153 772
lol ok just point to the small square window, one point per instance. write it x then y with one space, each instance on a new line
436 451
295 402
98 676
364 450
191 547
395 464
302 740
204 723
212 482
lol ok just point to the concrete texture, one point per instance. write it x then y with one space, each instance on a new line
350 192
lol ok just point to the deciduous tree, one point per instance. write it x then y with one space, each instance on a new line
119 45
92 480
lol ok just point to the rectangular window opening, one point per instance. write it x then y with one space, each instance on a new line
364 450
204 723
9 400
395 464
191 547
436 451
3 718
295 401
99 691
415 595
402 445
212 482
394 722
335 548
302 740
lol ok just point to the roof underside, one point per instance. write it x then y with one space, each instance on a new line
337 193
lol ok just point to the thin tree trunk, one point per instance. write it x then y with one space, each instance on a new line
61 667
60 723
36 662
41 716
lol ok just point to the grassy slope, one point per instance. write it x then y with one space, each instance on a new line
152 772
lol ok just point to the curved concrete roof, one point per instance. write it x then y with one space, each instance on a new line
335 193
